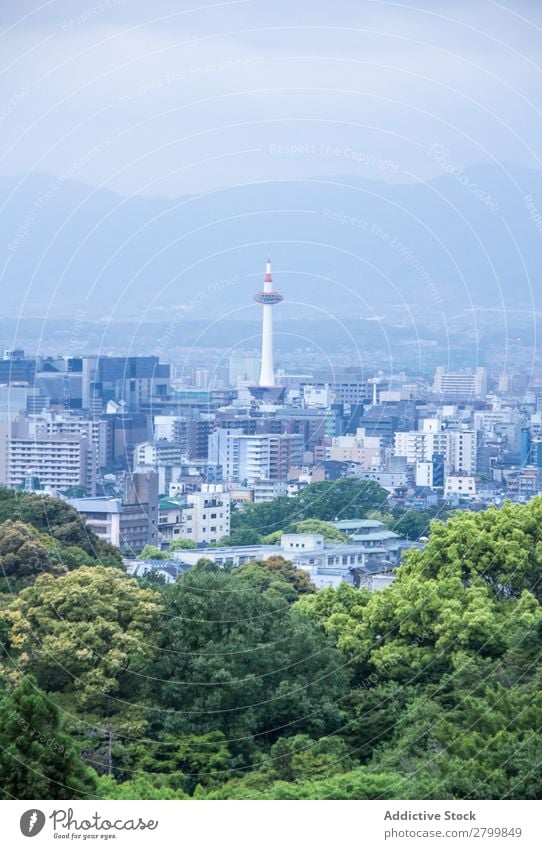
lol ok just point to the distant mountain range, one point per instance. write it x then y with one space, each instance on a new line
347 247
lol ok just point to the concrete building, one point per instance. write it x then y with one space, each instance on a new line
460 385
97 430
139 526
261 456
458 447
264 490
134 381
155 453
459 486
345 389
201 517
365 451
424 473
318 396
59 462
130 523
326 564
172 428
388 479
207 516
103 515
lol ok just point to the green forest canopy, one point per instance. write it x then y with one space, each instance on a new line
248 684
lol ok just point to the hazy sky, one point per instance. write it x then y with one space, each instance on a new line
168 97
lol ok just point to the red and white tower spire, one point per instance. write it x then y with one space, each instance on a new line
267 297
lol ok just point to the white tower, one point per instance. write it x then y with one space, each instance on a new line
267 297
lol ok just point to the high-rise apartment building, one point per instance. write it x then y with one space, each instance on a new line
60 462
251 457
460 385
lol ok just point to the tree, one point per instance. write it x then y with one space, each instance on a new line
500 549
299 757
236 659
38 760
346 498
242 536
414 524
88 633
359 783
142 787
266 517
58 520
277 571
187 761
381 516
272 539
152 552
317 526
177 544
23 556
340 613
247 684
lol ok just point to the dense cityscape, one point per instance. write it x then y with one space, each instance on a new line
150 458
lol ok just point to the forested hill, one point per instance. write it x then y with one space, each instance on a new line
248 684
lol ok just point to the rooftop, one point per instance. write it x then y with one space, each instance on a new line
353 524
100 504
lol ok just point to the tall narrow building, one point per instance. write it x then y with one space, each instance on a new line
267 297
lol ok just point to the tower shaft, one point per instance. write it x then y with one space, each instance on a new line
267 297
267 373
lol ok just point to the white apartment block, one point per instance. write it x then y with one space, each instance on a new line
419 447
268 490
460 384
59 462
458 447
460 485
464 451
387 479
488 420
201 517
424 474
317 395
207 516
154 453
171 428
365 451
263 456
58 424
103 515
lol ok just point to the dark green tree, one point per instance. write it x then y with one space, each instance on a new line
278 571
58 520
237 659
38 760
346 498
